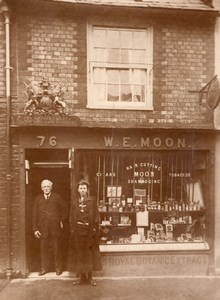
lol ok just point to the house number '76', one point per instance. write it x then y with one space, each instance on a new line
52 141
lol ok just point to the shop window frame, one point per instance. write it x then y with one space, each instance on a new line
202 166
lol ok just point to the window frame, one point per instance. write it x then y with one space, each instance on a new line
106 169
92 102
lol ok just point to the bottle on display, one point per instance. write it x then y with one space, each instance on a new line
183 206
159 206
148 200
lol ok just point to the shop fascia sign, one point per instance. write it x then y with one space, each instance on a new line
146 142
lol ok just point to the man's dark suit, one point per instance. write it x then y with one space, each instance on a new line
47 215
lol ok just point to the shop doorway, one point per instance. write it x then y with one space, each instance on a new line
53 165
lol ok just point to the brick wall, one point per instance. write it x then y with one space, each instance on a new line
15 173
16 205
185 63
55 47
49 48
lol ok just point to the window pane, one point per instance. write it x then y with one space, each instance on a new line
139 93
126 94
113 39
99 75
99 54
113 76
113 92
140 40
125 78
143 93
126 39
139 76
126 56
113 55
99 92
139 56
100 38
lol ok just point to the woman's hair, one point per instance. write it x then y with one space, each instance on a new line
83 182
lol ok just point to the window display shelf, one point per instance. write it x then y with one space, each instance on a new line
168 246
153 211
117 212
152 226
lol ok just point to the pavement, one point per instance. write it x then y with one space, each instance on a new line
141 288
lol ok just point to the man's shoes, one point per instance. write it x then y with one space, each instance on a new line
58 272
42 272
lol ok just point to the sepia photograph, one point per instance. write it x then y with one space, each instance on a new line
110 149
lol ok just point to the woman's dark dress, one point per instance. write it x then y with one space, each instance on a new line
84 227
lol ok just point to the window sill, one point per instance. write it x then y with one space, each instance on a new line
149 108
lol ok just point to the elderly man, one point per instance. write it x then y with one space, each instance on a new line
49 213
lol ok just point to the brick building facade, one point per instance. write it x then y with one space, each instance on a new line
55 40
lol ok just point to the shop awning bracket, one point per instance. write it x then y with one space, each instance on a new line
212 91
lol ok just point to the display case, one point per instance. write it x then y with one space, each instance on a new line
152 227
153 197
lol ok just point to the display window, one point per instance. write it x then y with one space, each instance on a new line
148 196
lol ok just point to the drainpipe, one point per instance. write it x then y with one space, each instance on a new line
6 13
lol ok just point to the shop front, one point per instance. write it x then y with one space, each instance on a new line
153 189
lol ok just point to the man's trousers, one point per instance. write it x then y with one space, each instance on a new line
53 242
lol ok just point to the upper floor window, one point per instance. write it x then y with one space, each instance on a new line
120 68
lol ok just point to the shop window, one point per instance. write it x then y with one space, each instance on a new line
148 197
120 68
